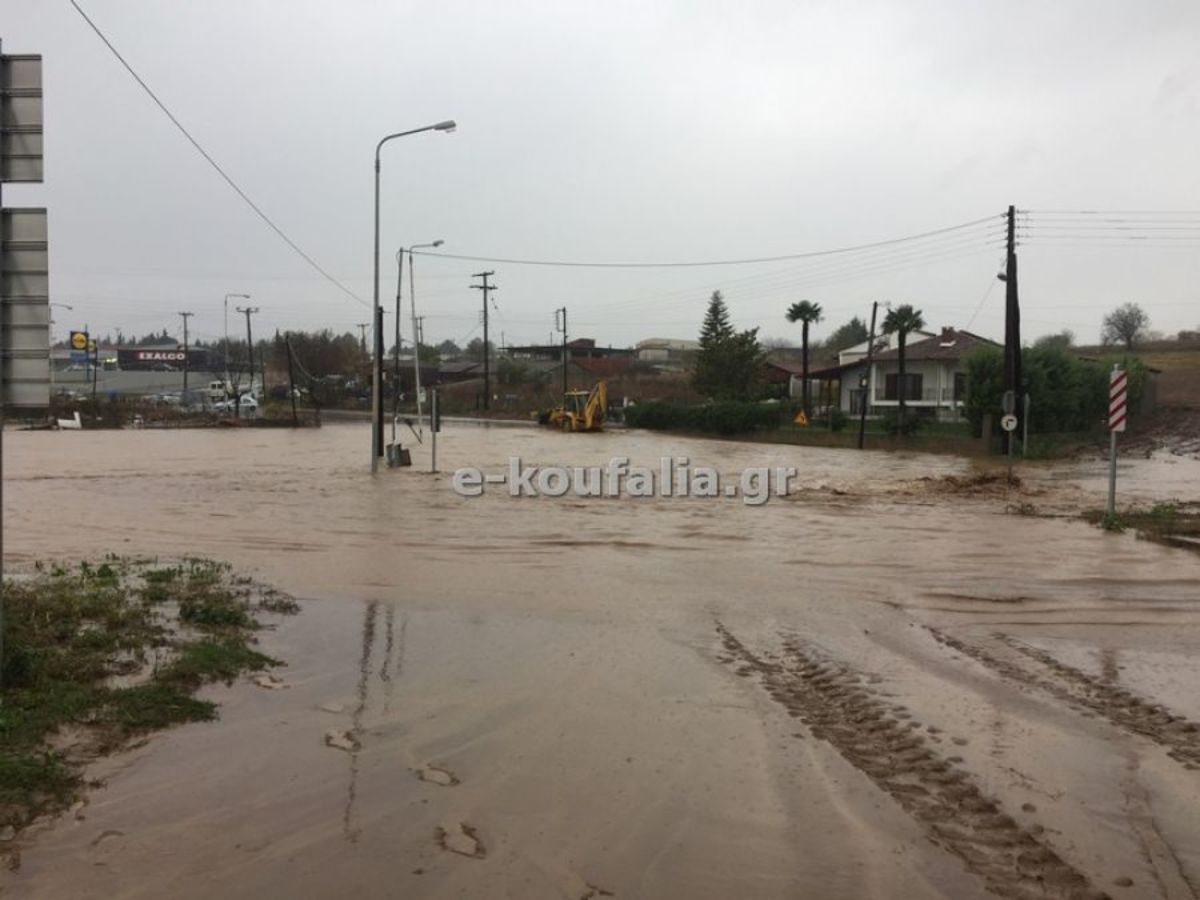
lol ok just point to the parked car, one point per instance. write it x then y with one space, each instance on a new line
245 403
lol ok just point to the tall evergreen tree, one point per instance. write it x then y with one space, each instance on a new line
716 327
729 364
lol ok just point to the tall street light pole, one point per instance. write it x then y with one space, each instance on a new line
377 310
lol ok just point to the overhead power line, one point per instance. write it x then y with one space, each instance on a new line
688 264
212 162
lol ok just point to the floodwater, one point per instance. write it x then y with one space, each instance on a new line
881 685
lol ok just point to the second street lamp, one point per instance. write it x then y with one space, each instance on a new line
416 338
377 310
412 305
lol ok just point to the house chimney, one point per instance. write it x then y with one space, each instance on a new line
947 333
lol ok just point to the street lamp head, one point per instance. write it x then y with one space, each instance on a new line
438 243
448 125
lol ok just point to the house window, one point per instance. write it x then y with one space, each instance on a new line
960 386
912 391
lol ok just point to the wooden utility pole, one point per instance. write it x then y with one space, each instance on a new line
362 336
291 381
487 372
866 397
186 316
560 324
248 311
1012 319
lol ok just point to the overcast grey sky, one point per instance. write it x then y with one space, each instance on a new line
628 131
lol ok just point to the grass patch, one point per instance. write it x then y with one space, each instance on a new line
1166 523
148 707
210 660
70 632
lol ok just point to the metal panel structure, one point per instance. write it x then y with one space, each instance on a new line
25 308
20 118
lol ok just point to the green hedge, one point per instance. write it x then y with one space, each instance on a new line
1067 394
723 417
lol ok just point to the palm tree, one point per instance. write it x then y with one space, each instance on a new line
805 313
900 321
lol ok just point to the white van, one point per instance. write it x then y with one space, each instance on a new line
218 391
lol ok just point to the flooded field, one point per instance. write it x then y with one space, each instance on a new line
881 685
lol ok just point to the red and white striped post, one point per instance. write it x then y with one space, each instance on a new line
1118 409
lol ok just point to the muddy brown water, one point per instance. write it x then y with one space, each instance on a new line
880 686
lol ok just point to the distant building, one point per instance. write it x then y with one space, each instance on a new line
577 350
666 353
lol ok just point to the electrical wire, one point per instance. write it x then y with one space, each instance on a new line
215 165
700 263
806 273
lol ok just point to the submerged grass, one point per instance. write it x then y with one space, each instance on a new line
1166 523
95 655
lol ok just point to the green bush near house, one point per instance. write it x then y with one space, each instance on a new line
1068 394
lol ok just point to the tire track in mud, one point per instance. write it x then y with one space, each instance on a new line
1121 707
875 738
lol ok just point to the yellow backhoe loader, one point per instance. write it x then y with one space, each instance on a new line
580 410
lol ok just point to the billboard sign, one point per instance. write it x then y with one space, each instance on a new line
24 308
20 118
134 358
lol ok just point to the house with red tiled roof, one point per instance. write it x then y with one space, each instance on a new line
934 376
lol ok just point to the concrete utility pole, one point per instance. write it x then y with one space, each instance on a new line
487 375
248 311
185 316
866 397
560 324
225 360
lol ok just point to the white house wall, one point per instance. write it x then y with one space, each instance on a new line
937 385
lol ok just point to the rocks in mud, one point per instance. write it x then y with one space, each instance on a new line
461 838
341 739
437 775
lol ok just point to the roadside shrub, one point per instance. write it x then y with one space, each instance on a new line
910 424
984 388
1067 394
725 418
837 419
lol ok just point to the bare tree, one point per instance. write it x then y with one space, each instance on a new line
1063 340
1126 325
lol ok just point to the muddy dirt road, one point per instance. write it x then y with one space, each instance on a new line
881 685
